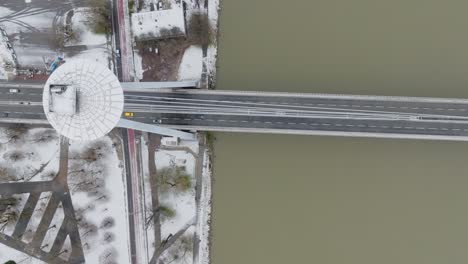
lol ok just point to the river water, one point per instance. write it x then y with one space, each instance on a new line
309 199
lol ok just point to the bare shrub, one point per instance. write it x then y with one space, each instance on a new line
14 155
108 237
44 136
107 222
15 133
108 256
181 250
8 217
7 174
175 178
100 16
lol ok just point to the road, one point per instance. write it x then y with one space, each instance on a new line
128 174
277 113
116 31
123 50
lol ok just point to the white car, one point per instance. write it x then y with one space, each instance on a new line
14 90
159 121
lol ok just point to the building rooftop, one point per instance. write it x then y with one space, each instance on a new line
159 24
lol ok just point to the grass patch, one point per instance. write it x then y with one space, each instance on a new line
166 211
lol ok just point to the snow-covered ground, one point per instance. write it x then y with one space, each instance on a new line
34 20
191 66
30 155
138 60
183 156
98 49
32 37
39 19
80 23
212 52
204 212
33 155
182 203
102 209
7 61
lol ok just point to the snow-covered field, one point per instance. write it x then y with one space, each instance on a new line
32 155
32 37
105 205
212 53
7 61
80 23
180 202
191 66
34 20
28 155
97 47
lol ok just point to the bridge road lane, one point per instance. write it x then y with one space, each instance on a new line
413 105
212 121
406 105
24 95
18 111
208 121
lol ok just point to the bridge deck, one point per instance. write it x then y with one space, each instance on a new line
276 112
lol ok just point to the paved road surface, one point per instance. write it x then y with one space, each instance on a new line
131 211
246 111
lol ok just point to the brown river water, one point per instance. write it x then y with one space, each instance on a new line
308 199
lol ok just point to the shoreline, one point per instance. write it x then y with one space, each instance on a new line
210 63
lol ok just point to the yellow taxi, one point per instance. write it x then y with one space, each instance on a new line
128 114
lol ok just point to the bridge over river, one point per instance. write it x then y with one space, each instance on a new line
265 112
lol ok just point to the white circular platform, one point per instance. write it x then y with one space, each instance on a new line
99 96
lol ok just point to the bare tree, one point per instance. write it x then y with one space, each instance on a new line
7 174
44 136
100 17
108 256
200 31
175 178
14 155
7 218
15 133
87 170
107 222
108 237
180 251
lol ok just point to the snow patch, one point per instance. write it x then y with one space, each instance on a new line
191 66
